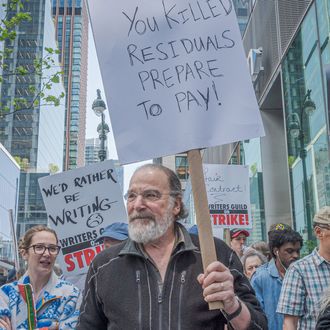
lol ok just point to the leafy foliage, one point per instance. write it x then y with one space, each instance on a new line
38 92
311 245
22 162
291 160
254 169
53 168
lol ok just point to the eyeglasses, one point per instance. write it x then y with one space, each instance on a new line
147 195
41 249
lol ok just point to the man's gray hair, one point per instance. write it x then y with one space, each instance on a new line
174 184
325 301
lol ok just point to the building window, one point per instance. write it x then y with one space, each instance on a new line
307 142
242 12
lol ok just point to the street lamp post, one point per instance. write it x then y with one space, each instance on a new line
296 129
98 107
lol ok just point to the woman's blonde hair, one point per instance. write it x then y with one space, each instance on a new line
25 241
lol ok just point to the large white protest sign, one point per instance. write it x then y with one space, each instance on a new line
175 75
228 194
80 203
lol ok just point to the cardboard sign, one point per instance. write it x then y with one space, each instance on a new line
228 194
175 75
80 203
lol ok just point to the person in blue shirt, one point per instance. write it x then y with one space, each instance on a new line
285 245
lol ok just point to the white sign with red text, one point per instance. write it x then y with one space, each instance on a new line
80 203
175 75
228 195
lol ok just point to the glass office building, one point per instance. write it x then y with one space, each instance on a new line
33 135
71 21
292 160
2 15
303 78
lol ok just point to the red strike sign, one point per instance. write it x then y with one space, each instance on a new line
82 258
230 219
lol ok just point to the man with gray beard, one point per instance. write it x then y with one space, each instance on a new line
155 279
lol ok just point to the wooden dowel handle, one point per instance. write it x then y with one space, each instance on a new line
202 214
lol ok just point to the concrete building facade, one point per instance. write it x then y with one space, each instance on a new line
291 163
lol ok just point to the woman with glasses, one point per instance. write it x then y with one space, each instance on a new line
39 299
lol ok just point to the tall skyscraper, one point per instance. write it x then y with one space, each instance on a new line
33 135
92 148
71 21
2 15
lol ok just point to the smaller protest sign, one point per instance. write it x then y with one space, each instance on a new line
228 194
80 203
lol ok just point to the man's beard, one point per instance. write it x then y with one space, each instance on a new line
144 227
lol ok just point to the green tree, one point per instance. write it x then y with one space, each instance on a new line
38 92
254 169
53 168
22 162
308 247
291 160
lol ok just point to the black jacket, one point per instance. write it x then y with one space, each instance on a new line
123 290
323 322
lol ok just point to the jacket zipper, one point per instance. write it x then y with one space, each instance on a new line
160 306
182 280
138 281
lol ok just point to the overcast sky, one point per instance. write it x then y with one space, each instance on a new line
94 82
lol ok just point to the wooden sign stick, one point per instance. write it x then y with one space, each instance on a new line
202 214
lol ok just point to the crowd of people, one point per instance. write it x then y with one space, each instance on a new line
293 293
150 275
